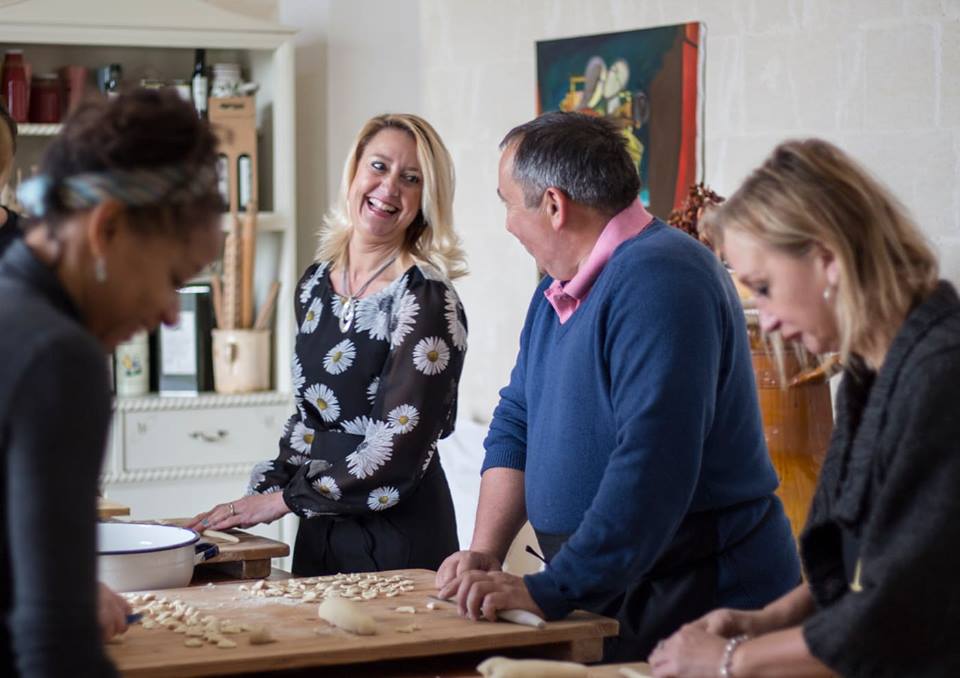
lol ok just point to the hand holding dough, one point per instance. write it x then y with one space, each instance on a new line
347 616
502 667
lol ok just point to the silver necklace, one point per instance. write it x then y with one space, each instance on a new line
349 309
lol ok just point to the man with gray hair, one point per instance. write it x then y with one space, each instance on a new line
629 434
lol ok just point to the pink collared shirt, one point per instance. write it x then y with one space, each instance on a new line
566 297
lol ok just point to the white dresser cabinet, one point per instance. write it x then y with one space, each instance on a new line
173 457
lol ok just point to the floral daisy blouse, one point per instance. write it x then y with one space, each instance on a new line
372 402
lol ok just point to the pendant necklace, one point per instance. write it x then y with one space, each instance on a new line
348 311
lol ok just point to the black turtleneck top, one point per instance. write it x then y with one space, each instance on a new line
54 415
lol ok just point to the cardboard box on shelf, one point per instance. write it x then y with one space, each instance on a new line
234 121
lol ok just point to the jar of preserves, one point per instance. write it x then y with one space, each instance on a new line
45 103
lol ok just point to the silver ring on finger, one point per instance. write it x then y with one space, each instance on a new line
233 510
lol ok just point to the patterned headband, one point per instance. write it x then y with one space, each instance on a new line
169 185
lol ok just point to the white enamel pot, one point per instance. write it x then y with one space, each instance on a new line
139 557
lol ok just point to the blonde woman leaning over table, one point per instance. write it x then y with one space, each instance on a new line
126 210
835 261
380 345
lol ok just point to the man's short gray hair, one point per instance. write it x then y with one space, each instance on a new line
584 156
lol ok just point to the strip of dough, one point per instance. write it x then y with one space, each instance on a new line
502 667
347 616
223 536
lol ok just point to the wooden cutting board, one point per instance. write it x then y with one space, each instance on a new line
247 559
304 640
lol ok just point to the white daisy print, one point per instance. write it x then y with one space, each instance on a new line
328 487
432 451
372 390
336 305
273 489
403 418
312 317
373 315
340 357
324 401
298 459
306 289
296 374
258 475
458 332
404 313
383 498
375 450
431 355
302 438
357 427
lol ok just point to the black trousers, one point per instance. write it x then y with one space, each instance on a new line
419 532
681 587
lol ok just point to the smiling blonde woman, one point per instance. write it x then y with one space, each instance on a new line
380 347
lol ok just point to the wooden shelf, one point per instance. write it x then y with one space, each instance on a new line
267 222
35 129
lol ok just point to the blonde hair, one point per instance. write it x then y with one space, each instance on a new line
430 238
809 192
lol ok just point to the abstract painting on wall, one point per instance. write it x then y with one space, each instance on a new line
648 83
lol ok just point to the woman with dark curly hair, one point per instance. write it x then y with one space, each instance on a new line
125 210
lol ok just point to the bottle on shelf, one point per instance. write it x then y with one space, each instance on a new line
199 82
15 90
244 181
111 80
133 366
223 179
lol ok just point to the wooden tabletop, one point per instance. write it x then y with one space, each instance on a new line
304 640
110 509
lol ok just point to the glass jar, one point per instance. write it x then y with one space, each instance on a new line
133 366
45 103
14 85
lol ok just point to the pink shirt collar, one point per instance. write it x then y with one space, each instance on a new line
566 297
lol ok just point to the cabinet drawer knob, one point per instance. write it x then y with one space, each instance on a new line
209 437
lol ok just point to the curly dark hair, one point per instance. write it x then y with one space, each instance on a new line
142 129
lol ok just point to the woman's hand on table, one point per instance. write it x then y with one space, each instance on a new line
728 623
691 652
112 611
245 512
478 593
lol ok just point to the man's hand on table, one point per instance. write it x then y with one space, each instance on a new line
478 593
463 561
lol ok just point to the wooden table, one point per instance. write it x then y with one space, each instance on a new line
110 509
444 643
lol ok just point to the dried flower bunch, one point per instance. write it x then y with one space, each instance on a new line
688 216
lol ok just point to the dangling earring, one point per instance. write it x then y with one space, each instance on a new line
828 293
100 270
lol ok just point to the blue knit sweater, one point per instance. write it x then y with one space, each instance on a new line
637 411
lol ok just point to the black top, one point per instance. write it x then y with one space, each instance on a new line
54 414
9 230
889 497
371 402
